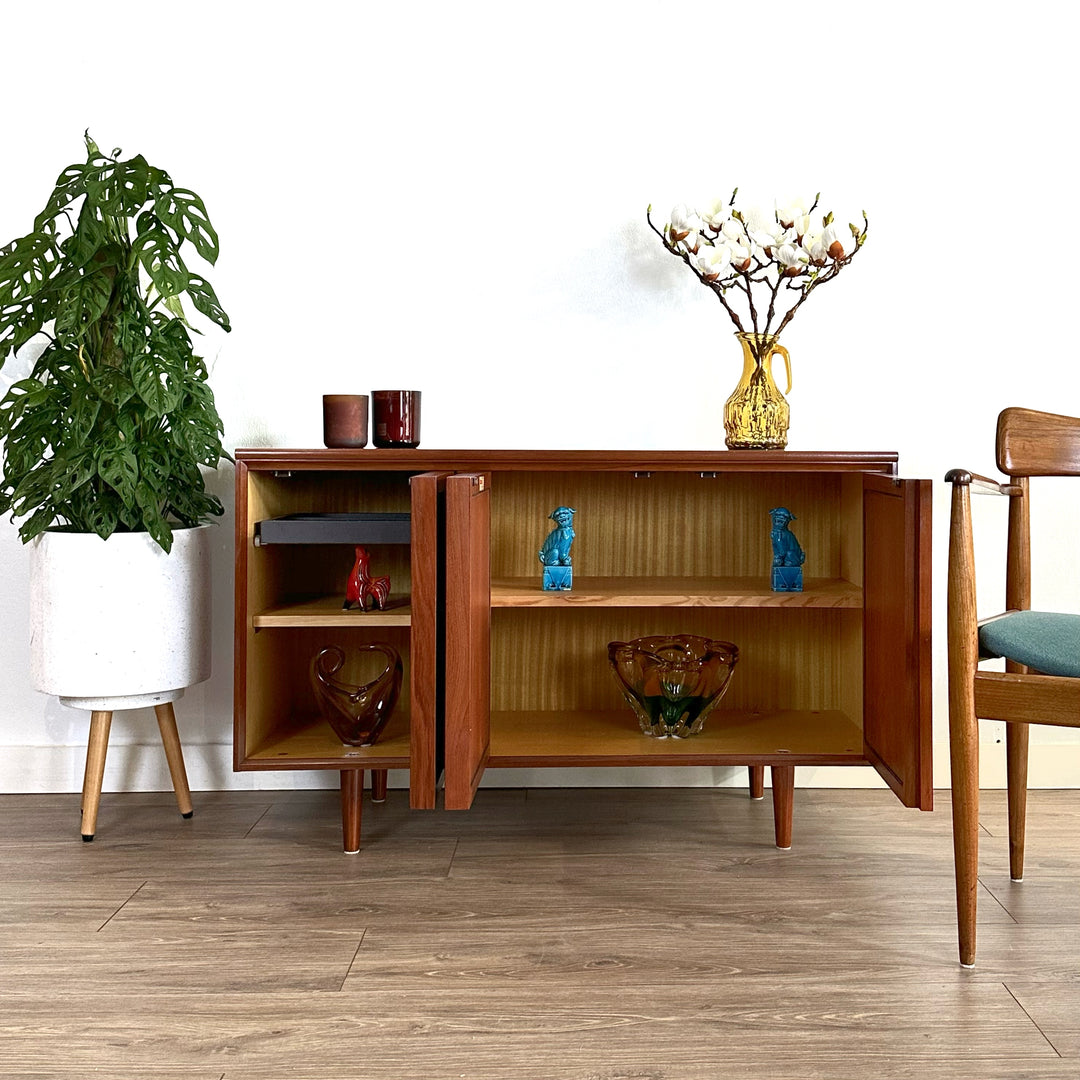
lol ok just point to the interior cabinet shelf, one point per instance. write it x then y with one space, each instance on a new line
327 611
306 742
668 592
730 737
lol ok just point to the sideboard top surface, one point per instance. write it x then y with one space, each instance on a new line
422 460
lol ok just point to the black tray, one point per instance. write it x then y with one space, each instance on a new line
334 529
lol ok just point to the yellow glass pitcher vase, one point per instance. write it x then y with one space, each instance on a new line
756 416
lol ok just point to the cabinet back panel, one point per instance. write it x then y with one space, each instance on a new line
279 573
806 659
672 523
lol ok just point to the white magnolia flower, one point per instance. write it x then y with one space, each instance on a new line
713 261
815 249
716 215
734 231
691 242
790 212
740 257
683 222
830 240
791 258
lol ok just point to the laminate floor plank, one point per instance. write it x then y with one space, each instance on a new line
405 1035
1055 1009
619 934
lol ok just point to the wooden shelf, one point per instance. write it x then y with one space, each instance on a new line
793 737
308 742
674 592
327 611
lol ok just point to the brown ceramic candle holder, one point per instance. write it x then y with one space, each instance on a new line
345 420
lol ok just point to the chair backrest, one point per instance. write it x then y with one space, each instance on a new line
1031 443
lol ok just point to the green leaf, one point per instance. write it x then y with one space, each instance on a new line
84 303
206 301
82 414
183 211
159 529
26 265
89 237
154 384
160 258
112 385
120 470
36 524
70 185
118 188
99 518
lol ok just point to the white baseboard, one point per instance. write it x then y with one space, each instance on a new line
141 767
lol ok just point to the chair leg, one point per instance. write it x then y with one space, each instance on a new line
783 796
170 739
97 745
757 781
1016 759
964 754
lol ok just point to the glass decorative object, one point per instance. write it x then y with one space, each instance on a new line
672 683
756 416
362 588
357 712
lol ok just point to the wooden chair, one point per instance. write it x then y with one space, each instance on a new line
1041 681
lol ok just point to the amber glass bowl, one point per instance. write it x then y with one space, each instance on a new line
672 683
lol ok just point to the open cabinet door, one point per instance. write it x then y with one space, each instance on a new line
427 547
468 635
898 698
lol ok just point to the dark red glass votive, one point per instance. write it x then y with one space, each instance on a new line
395 418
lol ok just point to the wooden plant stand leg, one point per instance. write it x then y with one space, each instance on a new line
378 785
352 791
170 738
783 797
757 781
97 744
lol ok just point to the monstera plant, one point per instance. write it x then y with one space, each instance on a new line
108 431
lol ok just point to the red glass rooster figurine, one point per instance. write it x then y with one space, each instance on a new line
362 588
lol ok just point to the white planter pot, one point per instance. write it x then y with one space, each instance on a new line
117 623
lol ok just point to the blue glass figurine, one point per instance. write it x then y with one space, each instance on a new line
787 557
555 554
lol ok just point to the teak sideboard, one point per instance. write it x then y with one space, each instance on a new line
499 673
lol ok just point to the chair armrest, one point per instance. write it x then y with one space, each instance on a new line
981 485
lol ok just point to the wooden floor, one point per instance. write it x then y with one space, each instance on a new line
545 935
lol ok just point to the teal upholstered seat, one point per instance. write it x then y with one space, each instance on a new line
1045 641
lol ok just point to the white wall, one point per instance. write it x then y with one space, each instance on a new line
452 197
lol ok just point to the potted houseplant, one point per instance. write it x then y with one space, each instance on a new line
105 439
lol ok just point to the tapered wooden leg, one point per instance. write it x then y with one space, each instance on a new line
378 785
783 798
963 724
170 739
757 781
964 753
352 791
97 745
1016 761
